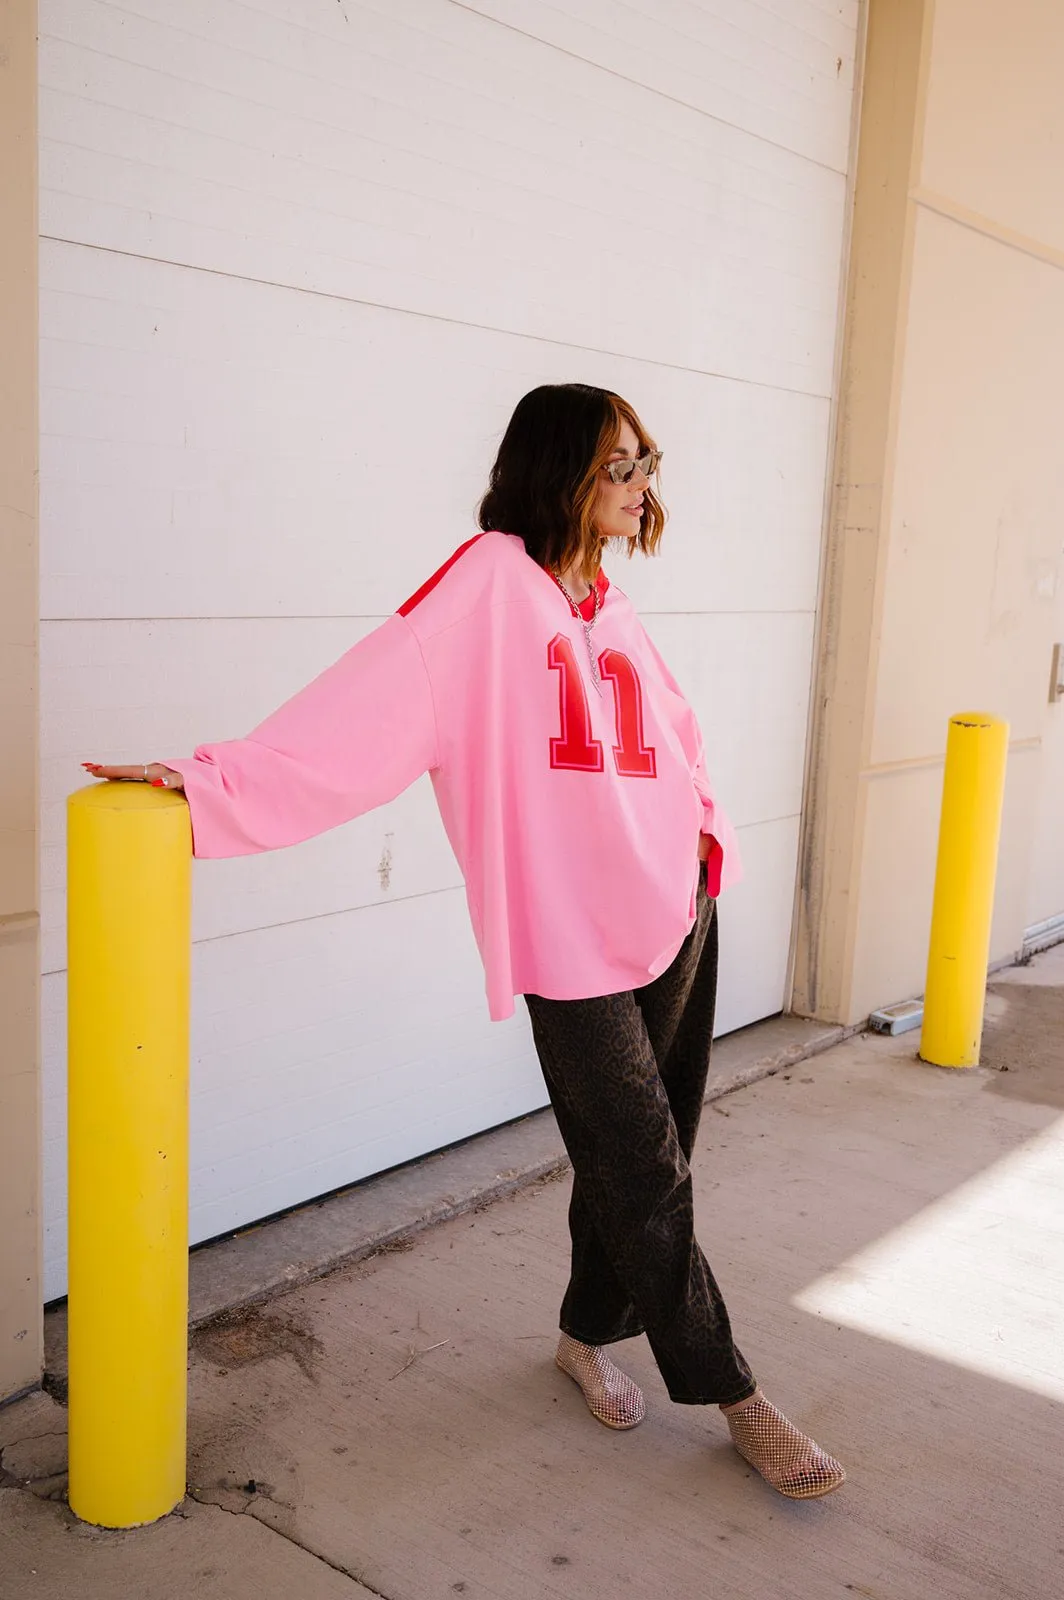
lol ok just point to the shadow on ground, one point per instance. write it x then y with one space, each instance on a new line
889 1238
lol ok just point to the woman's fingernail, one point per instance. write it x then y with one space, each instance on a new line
158 783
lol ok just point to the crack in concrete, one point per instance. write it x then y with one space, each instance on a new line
203 1497
200 1496
43 1485
33 1438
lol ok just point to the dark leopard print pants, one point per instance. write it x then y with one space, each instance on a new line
626 1074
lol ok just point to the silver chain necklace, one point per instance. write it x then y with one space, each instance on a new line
584 623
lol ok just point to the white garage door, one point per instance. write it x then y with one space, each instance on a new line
299 259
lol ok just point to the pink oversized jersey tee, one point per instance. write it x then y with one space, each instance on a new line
574 811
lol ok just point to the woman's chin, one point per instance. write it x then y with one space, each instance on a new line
619 539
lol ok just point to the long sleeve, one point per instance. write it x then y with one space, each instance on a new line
353 739
723 865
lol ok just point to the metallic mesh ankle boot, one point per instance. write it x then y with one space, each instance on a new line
611 1396
792 1463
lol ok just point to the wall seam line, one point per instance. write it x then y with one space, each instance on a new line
976 222
434 316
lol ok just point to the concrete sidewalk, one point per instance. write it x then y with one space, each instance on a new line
890 1239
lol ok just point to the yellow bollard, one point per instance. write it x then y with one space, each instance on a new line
129 940
974 784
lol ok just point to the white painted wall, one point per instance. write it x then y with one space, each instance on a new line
299 260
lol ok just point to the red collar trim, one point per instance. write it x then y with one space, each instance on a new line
587 607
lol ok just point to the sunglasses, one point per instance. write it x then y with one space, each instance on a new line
624 471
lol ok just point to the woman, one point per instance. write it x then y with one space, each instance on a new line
569 773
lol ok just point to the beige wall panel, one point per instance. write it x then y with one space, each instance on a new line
20 1222
896 884
974 562
18 630
828 906
995 114
948 507
20 1298
1045 888
18 463
1018 854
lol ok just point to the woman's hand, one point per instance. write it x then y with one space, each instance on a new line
159 776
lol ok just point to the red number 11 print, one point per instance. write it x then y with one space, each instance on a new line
576 750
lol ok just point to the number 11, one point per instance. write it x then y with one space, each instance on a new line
576 750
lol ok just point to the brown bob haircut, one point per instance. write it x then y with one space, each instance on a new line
544 481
